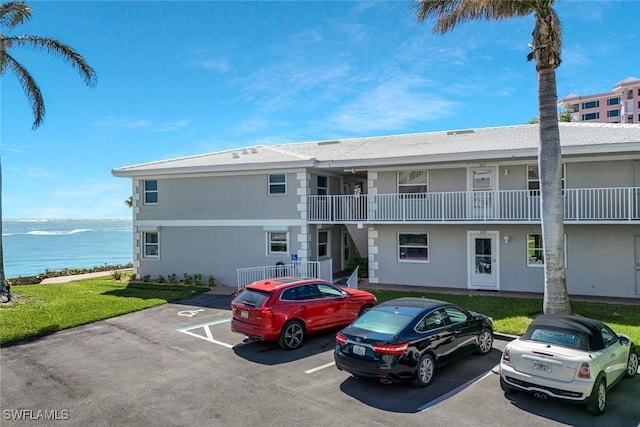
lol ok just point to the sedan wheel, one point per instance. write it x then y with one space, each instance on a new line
485 341
632 364
364 309
598 399
425 370
291 335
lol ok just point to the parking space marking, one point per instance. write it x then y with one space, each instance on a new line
456 390
311 371
208 335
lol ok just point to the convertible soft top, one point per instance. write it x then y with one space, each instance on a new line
584 326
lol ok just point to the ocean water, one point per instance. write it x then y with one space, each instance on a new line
34 246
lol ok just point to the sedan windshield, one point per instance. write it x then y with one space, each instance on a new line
382 321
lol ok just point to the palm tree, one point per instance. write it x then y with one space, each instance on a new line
11 15
546 48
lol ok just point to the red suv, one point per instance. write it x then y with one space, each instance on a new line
286 309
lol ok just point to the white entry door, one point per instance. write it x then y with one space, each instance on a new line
481 186
483 256
637 265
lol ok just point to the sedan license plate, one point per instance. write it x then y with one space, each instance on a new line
244 314
359 350
542 366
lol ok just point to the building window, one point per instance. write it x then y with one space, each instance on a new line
629 119
591 116
638 104
322 185
613 113
533 179
413 247
590 104
278 243
323 243
573 108
630 94
151 245
535 250
151 192
613 101
413 181
277 184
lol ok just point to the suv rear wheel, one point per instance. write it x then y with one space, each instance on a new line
291 335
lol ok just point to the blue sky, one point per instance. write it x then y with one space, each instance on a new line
178 78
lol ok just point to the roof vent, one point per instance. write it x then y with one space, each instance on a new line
245 151
460 132
254 150
328 142
235 155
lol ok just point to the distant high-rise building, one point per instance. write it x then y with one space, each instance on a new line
621 105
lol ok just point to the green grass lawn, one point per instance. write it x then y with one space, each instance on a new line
512 315
43 309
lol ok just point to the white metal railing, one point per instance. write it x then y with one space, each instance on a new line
249 275
580 204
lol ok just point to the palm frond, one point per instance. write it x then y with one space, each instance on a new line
60 49
30 88
14 13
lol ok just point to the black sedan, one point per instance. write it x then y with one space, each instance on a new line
408 338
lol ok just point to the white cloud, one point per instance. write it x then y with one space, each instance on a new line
144 124
394 104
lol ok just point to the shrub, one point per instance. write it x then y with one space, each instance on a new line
116 275
173 279
363 267
161 279
197 279
146 278
187 279
211 281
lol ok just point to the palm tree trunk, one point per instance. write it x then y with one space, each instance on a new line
556 299
5 294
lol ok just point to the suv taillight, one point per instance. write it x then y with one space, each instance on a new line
266 313
584 371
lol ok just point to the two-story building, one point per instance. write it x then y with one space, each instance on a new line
456 209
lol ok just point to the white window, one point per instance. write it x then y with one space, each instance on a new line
151 244
413 181
277 183
413 247
533 180
323 243
277 243
535 250
150 192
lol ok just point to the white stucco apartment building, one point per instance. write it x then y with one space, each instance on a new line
457 209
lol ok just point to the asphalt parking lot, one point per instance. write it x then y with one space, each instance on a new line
179 364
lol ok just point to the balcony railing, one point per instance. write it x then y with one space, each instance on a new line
580 204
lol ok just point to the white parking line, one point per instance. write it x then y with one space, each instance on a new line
311 371
208 335
456 390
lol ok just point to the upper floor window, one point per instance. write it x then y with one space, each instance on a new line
573 108
277 183
613 101
590 104
533 179
413 181
278 243
151 243
591 116
322 185
323 243
630 94
413 247
613 113
150 192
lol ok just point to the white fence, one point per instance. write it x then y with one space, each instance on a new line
580 204
295 269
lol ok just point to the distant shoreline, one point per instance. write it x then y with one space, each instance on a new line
36 279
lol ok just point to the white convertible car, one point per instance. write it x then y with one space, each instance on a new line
568 357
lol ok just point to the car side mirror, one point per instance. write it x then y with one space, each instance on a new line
344 294
624 340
